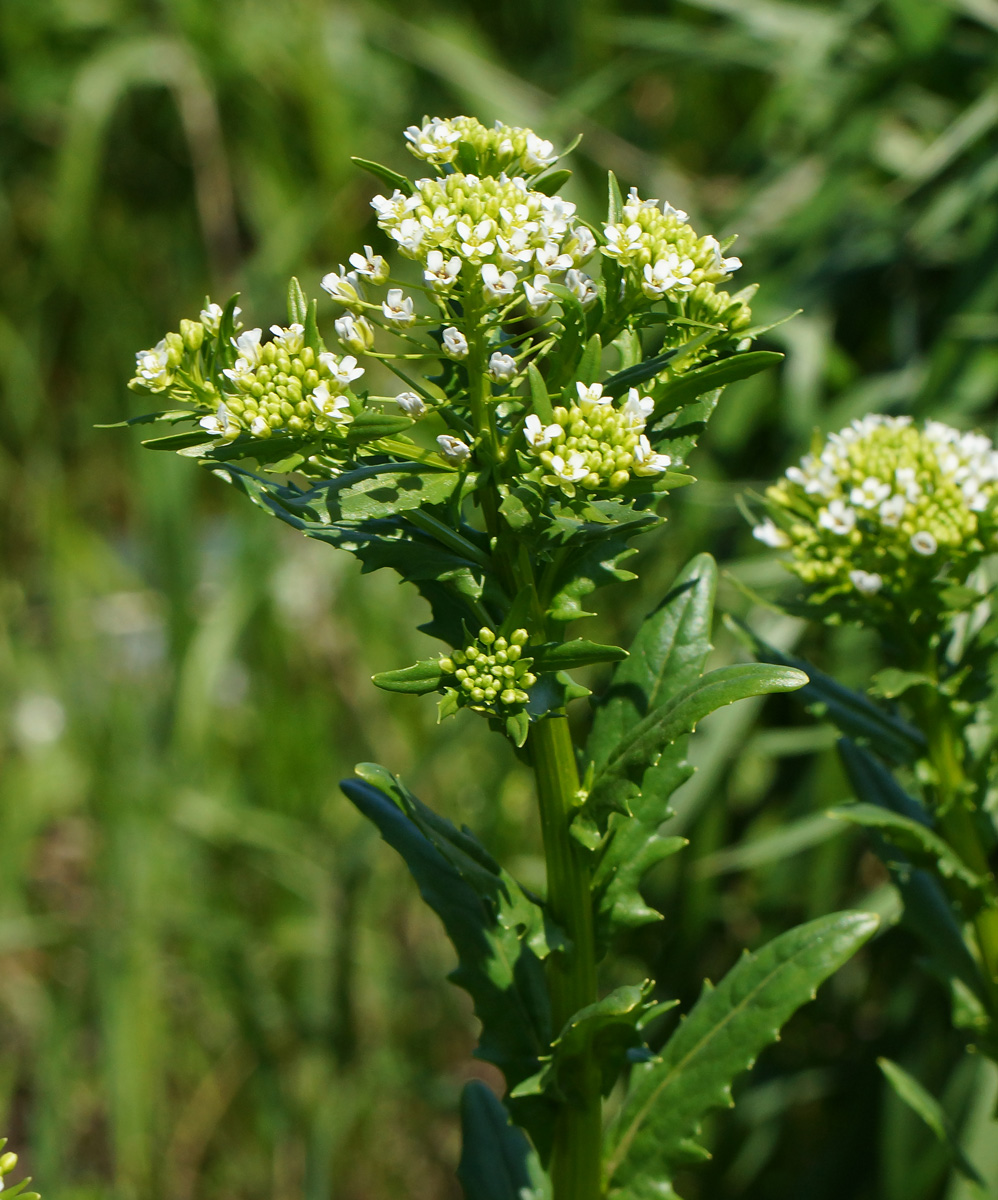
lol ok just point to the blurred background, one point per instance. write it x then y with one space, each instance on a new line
214 982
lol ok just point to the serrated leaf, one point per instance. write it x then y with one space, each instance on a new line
495 1155
569 656
851 712
716 375
498 931
924 1105
668 653
385 174
678 432
726 1030
618 779
418 680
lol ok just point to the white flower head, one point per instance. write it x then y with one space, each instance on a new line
331 405
539 299
572 469
343 370
455 343
435 141
670 274
409 235
398 309
922 542
356 333
770 534
441 274
638 408
838 517
152 367
540 436
867 583
371 266
342 286
453 449
248 345
411 403
495 286
477 241
585 243
718 261
221 423
502 367
291 339
592 393
550 257
538 153
581 287
646 461
211 317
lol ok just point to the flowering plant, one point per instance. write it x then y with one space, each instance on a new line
895 527
574 366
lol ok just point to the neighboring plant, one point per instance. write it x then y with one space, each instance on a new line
8 1161
573 368
894 527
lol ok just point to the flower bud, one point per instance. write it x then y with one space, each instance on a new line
192 333
356 333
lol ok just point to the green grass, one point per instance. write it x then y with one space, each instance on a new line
215 982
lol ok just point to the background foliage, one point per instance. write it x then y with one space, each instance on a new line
214 981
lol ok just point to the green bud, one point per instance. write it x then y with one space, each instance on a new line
8 1162
192 333
486 635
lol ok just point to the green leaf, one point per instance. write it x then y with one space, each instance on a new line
313 338
539 398
615 201
494 1153
723 1035
930 1110
592 357
550 182
385 174
851 712
419 679
499 932
927 912
618 779
715 375
381 491
667 655
371 425
297 304
568 656
892 682
604 1032
180 441
678 432
171 415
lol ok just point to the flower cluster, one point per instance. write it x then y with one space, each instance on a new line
156 369
884 507
283 385
502 148
593 444
491 674
505 230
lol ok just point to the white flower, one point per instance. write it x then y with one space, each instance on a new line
892 510
514 248
330 404
398 309
623 241
355 333
592 393
411 404
581 287
455 343
638 408
152 367
221 424
434 141
838 517
342 286
718 262
453 449
211 317
771 535
291 339
669 274
248 345
550 258
259 427
477 242
539 153
241 369
392 207
539 436
923 542
502 367
646 461
585 243
870 492
538 297
496 286
439 274
571 471
867 583
372 266
409 236
343 370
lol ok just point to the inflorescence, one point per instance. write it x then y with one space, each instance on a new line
885 510
490 674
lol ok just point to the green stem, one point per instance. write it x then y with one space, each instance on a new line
576 1157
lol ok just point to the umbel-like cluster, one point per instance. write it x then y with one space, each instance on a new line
884 509
490 674
593 444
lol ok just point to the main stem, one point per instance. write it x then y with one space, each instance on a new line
576 1156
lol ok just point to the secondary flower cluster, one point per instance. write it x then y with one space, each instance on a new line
156 369
593 444
283 385
884 507
501 148
490 674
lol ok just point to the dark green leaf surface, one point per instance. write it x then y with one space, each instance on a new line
385 174
417 680
694 383
494 1153
723 1035
568 656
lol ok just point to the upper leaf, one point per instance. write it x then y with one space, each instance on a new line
495 1156
722 1036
